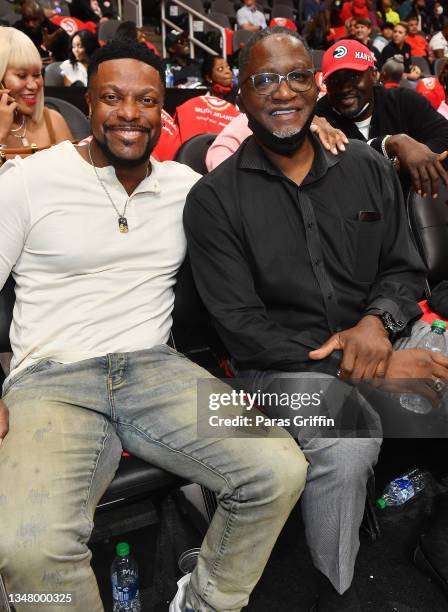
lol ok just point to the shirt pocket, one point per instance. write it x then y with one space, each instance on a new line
363 241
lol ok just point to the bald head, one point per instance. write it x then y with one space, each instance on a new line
32 15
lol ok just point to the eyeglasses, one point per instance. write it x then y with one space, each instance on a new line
267 83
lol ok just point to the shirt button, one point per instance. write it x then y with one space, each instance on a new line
310 225
317 262
330 295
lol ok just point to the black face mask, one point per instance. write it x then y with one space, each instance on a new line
282 146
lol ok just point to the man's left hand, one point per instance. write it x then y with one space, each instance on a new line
423 165
366 349
332 139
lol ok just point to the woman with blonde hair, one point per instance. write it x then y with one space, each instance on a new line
23 119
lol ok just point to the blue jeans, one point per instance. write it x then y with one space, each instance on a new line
68 425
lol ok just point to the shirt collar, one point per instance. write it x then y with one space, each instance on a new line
252 157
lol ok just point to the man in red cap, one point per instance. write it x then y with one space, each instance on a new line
399 123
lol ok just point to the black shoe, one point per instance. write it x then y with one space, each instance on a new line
329 600
422 561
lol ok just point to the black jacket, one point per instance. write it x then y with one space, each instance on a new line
396 111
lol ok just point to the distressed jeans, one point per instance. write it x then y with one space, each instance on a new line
68 425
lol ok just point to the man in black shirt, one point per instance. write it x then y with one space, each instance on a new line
299 254
182 66
399 123
398 46
49 39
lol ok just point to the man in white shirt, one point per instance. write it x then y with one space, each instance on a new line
93 237
439 42
248 17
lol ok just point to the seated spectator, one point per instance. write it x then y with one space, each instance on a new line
436 18
218 77
421 12
439 42
128 31
202 115
248 17
399 123
50 40
418 43
183 67
311 8
356 9
169 141
389 14
383 39
74 70
398 46
433 90
23 118
371 7
363 30
318 31
392 72
92 10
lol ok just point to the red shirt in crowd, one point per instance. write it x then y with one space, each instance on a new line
169 141
419 45
203 115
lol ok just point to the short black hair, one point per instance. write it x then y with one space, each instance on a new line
121 49
243 59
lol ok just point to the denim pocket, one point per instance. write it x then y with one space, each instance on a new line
39 366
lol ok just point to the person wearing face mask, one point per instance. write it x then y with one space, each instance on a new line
23 118
399 123
74 70
282 260
436 18
218 77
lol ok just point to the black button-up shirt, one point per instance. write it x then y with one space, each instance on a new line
282 267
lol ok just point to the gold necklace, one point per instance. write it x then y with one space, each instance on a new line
22 137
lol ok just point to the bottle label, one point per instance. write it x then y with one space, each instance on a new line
123 594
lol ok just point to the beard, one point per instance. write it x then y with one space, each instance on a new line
285 141
124 162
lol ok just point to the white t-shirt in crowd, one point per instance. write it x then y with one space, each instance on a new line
364 126
83 289
438 41
74 73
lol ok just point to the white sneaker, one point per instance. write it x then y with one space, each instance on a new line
178 603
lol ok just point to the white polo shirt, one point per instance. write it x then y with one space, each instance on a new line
83 289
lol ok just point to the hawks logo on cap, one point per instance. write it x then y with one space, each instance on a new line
339 52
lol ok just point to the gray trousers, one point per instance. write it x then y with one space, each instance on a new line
335 492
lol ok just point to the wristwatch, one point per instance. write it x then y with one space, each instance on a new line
390 325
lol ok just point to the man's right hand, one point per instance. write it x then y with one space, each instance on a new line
4 420
415 371
423 165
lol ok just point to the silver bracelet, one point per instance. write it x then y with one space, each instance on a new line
383 147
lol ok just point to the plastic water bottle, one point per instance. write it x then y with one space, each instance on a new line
169 76
124 578
402 489
434 340
235 77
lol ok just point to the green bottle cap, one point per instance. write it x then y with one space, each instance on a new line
381 503
122 549
439 324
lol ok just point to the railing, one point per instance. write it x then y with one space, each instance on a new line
191 28
131 10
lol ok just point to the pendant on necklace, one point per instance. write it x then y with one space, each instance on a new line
123 225
25 141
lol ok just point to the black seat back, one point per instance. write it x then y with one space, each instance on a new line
193 152
7 299
429 222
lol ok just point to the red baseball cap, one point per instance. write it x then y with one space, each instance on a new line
346 55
